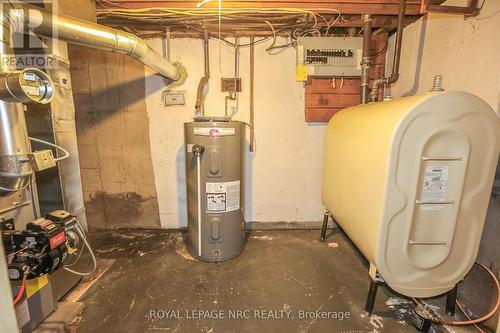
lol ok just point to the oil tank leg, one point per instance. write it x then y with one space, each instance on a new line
326 216
451 299
370 300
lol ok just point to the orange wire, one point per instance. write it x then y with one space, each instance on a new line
480 319
21 290
468 317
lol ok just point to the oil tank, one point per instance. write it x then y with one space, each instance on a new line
409 181
214 175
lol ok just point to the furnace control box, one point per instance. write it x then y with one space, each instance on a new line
330 56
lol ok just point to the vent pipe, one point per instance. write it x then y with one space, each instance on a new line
397 55
75 31
15 170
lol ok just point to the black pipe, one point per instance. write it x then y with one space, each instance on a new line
370 300
326 216
451 299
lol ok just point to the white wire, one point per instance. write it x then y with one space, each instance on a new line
80 232
66 153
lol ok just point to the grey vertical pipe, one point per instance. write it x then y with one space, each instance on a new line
365 62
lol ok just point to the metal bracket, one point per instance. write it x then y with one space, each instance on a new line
471 10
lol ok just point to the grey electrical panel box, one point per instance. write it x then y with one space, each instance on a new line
330 56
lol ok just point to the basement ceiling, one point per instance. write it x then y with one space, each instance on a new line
152 18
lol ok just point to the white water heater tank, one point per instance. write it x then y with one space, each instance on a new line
409 180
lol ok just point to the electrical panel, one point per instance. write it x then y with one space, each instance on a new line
329 56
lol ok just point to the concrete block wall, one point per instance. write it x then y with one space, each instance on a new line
113 134
113 140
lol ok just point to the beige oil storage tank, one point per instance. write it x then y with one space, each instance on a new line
409 181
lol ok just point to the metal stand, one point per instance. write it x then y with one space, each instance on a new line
372 293
451 299
326 216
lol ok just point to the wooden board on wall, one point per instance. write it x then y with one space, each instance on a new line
324 98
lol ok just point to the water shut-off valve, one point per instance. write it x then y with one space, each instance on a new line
198 150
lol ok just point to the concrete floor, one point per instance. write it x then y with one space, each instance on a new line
154 285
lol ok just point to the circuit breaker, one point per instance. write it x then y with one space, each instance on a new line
329 56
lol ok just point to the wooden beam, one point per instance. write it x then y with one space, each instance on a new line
470 10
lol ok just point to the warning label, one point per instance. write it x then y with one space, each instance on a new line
435 186
223 197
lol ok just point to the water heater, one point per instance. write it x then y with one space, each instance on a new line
409 181
214 175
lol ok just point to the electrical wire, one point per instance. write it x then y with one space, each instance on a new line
470 321
79 230
469 317
22 287
65 152
304 19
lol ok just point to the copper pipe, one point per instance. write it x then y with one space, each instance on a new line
252 73
399 39
397 56
200 96
365 61
232 94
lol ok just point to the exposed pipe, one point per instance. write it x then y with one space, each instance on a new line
233 94
399 39
200 96
365 62
75 31
396 58
15 170
252 80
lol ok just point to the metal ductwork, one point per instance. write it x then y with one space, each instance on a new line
33 85
84 33
15 170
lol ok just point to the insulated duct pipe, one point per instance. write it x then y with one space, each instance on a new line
84 33
365 61
397 55
15 170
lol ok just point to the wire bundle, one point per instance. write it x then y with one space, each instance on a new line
268 22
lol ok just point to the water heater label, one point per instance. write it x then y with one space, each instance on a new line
213 132
435 186
223 197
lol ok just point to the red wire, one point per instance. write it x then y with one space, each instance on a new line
21 290
480 319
